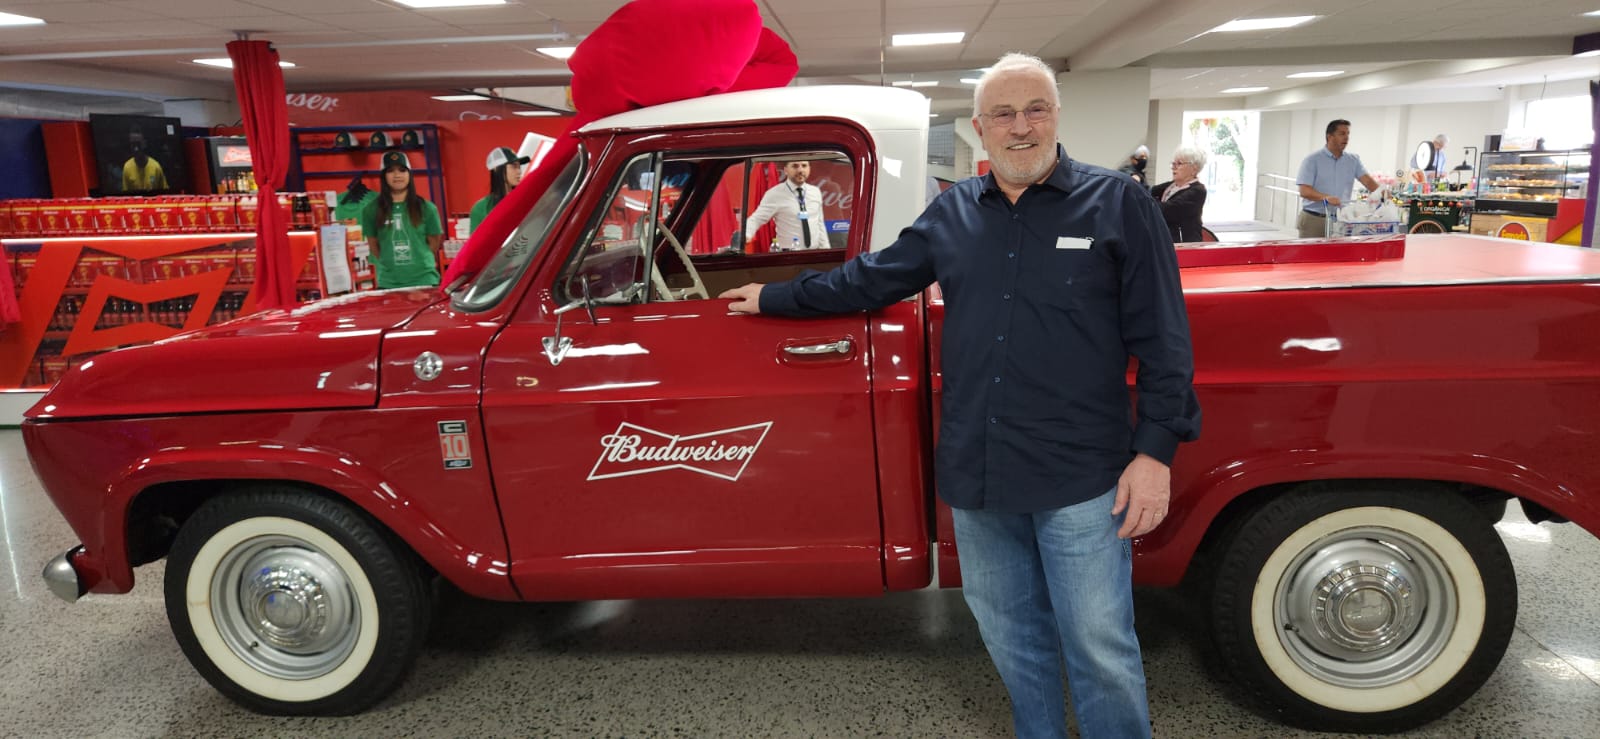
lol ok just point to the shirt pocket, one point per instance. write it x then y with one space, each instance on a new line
1073 279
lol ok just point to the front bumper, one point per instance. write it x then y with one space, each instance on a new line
62 577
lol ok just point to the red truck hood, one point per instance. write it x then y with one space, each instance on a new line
322 355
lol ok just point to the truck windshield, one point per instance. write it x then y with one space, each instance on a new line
490 286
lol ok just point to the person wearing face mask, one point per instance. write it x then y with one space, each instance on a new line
1183 197
402 229
505 171
1054 273
1136 163
141 173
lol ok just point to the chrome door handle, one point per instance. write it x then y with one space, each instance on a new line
841 346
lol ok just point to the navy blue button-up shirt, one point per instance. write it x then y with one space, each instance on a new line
1045 300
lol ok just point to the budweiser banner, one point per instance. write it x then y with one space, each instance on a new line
354 108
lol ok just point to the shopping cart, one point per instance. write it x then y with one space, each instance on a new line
1335 228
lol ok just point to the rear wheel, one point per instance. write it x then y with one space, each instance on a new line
1364 608
291 603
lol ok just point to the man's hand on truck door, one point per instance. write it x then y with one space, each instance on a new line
1143 490
746 298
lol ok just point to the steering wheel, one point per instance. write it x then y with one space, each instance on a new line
696 288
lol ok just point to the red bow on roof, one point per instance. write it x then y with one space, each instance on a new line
647 53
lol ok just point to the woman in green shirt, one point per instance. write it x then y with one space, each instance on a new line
505 171
402 229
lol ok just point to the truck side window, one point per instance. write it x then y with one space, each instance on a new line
613 259
702 204
732 196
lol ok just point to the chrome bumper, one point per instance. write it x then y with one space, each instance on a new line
62 578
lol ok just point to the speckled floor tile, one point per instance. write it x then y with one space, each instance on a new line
906 665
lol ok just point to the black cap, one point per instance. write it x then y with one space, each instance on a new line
393 158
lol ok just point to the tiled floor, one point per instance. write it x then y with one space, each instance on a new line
905 665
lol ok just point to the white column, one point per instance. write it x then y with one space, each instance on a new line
1104 114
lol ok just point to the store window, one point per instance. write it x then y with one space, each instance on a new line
1562 123
1231 140
677 227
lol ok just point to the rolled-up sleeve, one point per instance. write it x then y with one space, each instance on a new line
1155 330
868 282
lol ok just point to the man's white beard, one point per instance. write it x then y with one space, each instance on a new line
1024 171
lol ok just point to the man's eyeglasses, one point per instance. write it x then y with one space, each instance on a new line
1033 113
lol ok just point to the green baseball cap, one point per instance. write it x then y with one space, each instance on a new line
393 158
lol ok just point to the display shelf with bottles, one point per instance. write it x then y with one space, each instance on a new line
80 296
1530 182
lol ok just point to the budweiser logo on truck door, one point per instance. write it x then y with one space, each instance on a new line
636 450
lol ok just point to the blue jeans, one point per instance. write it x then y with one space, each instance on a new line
1052 585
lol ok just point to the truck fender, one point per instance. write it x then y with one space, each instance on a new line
1164 555
483 574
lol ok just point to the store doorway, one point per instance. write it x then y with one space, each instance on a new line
1231 140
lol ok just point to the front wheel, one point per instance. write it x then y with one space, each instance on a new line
1364 608
292 603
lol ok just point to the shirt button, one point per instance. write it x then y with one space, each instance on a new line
1001 337
1011 254
1015 216
996 378
992 419
1005 296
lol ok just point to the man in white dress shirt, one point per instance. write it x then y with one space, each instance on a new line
795 207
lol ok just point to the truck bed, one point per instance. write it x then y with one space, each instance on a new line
1420 259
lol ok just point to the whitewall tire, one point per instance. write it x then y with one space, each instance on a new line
293 603
1364 607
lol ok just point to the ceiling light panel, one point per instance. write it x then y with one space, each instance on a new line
223 62
1262 24
434 4
12 19
926 39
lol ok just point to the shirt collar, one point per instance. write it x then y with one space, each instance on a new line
1061 178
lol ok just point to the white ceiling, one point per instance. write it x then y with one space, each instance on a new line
144 46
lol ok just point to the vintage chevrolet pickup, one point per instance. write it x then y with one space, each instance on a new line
584 421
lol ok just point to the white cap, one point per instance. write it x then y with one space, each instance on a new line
1142 151
500 156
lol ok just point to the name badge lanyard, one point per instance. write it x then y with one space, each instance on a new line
805 223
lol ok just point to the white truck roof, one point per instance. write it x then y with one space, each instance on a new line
896 119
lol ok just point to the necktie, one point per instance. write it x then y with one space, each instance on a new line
805 225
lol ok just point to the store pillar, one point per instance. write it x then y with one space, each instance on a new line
1105 114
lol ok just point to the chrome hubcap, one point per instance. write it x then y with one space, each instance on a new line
1365 607
285 608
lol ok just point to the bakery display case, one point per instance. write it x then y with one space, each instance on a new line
1530 182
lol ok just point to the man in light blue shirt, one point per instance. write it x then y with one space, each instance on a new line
1326 178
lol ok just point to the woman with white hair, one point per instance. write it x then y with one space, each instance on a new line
1183 197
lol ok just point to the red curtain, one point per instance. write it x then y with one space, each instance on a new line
717 224
258 81
716 46
763 177
9 311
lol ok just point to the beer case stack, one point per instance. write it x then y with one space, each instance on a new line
142 216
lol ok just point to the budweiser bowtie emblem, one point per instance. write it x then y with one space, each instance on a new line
636 450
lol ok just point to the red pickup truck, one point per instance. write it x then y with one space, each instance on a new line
585 421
